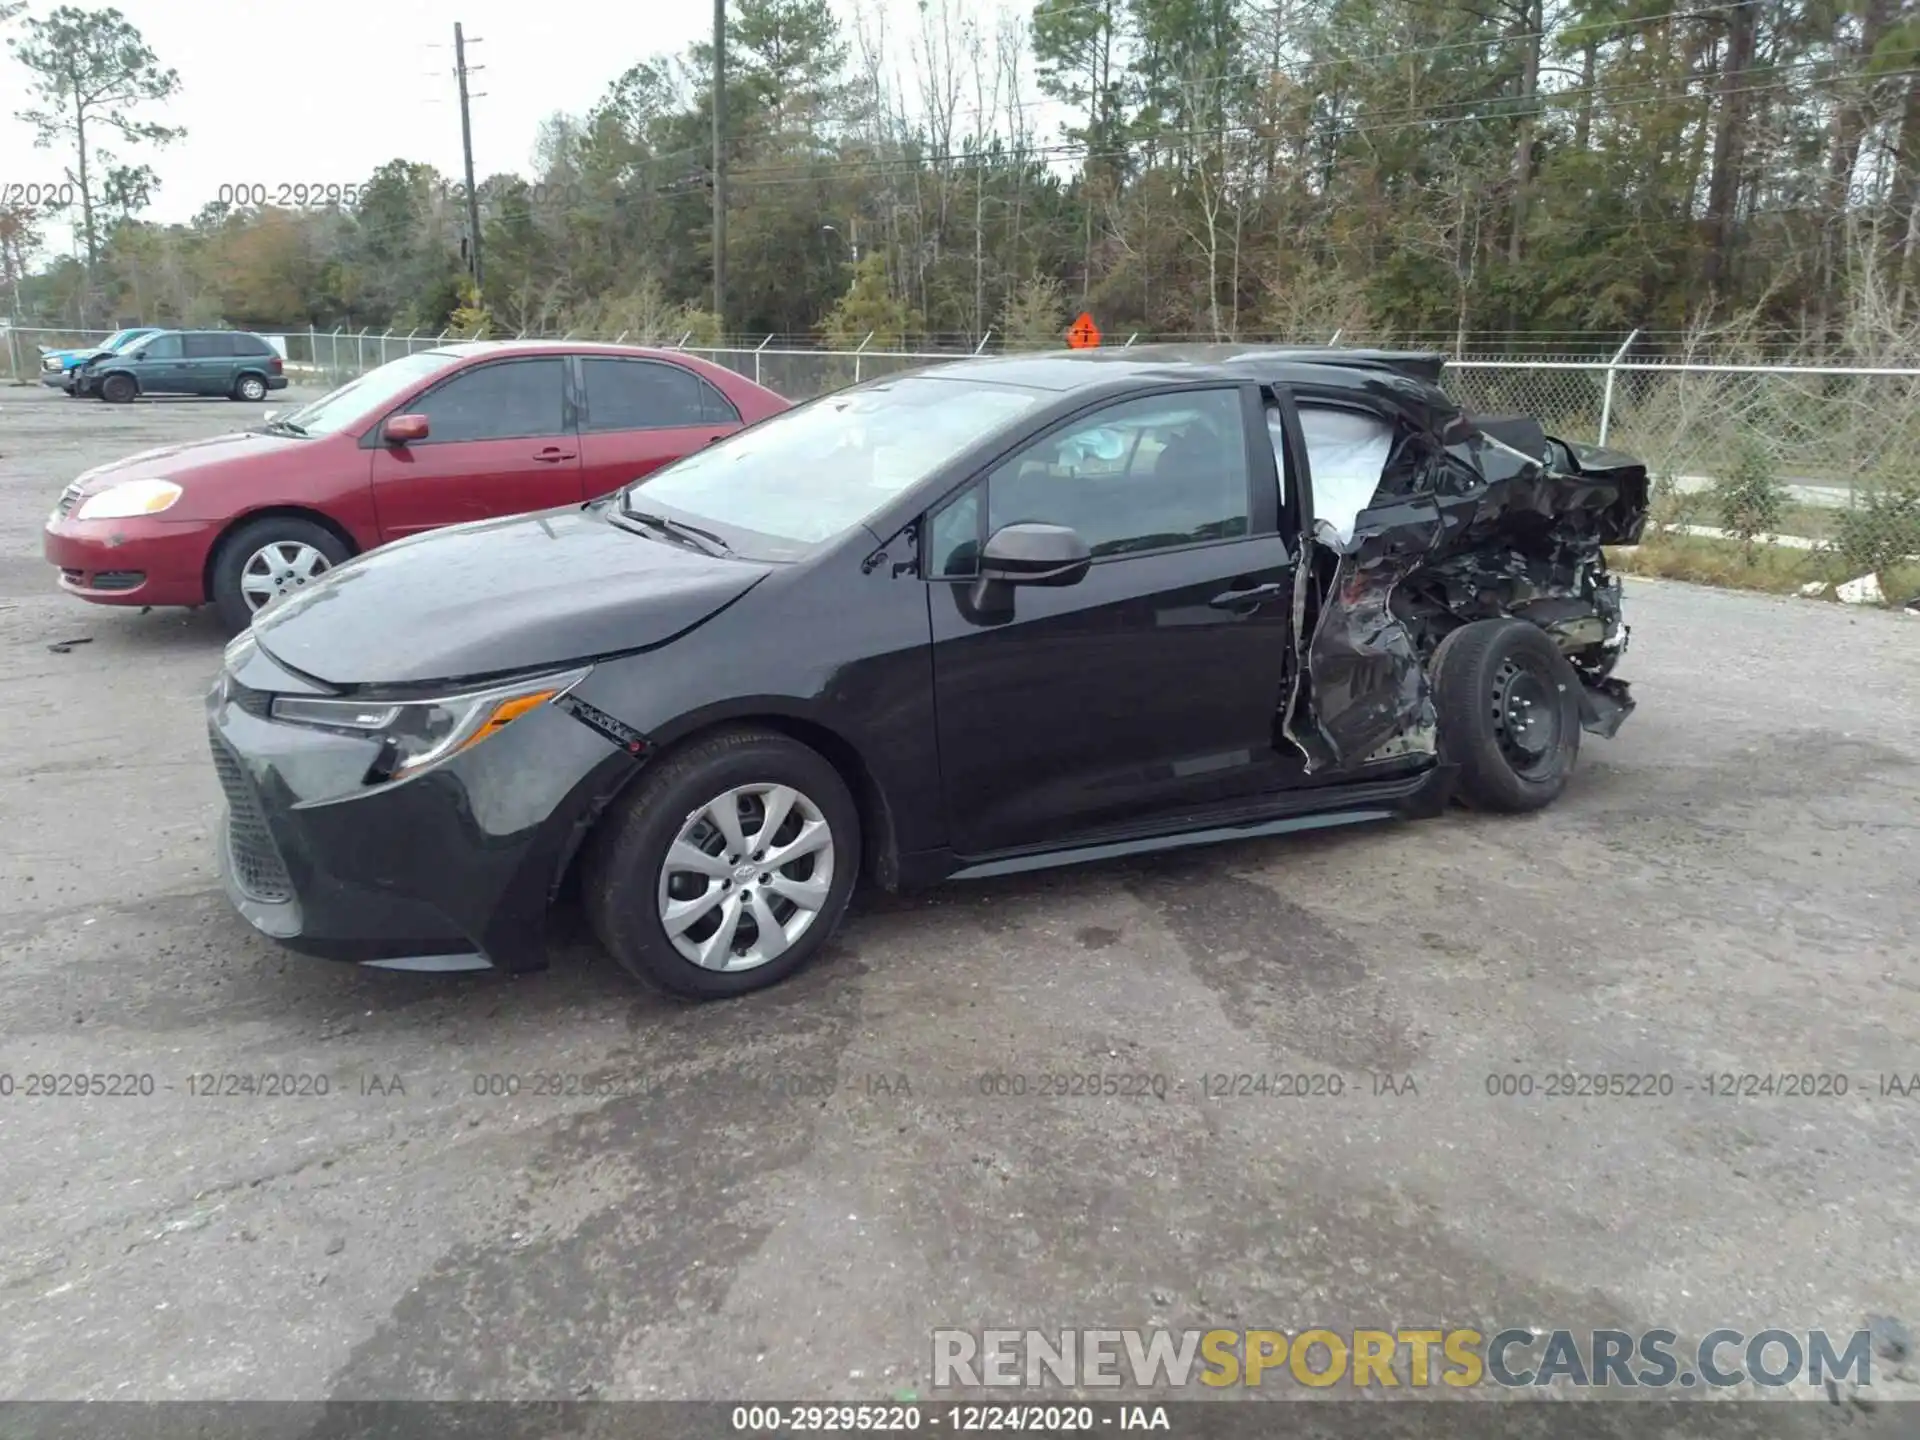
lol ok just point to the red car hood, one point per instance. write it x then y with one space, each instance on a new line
177 462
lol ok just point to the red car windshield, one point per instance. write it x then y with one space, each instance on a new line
372 391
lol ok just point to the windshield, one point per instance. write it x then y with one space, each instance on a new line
814 472
122 337
338 409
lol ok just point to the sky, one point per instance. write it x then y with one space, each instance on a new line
322 94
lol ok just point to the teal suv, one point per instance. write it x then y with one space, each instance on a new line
185 362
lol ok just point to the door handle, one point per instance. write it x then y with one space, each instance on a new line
553 454
1247 599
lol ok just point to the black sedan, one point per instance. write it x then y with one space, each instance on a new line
989 617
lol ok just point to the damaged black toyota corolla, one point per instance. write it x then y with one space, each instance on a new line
989 617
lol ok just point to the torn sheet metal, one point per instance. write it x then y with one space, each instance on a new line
1473 520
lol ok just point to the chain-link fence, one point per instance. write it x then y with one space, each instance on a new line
1804 474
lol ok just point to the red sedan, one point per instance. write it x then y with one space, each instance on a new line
464 432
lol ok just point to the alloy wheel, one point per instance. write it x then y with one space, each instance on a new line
746 877
277 570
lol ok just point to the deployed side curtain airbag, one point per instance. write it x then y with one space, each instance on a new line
1346 455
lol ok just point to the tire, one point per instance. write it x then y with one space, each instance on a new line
240 550
118 389
1509 713
250 388
627 879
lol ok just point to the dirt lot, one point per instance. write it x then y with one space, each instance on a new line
801 1186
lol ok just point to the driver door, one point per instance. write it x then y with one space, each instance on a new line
1152 684
160 365
501 441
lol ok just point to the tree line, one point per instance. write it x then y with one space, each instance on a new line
1510 175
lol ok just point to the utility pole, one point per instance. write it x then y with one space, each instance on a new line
720 163
466 144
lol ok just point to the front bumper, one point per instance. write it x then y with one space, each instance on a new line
463 859
140 560
58 379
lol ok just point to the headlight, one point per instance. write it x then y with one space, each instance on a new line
132 497
416 734
51 362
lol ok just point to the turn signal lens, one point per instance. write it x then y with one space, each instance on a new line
503 714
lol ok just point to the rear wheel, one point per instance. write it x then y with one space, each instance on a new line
1509 712
268 560
118 389
250 388
727 869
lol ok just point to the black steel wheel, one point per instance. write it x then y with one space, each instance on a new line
1509 714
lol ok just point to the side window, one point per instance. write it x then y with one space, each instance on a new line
503 401
1347 452
642 395
953 536
719 409
160 347
1141 475
204 345
250 345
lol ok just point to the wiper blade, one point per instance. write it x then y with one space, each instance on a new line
284 427
704 539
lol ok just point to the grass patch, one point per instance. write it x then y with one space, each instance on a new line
1675 507
1774 569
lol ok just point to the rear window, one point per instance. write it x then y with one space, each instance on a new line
206 345
244 344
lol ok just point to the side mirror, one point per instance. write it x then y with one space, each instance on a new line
138 355
405 429
1034 554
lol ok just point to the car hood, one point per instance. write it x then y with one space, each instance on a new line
497 597
175 462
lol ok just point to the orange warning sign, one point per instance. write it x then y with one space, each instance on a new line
1083 334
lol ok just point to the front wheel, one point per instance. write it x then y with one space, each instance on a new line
728 867
268 560
250 388
118 389
1508 705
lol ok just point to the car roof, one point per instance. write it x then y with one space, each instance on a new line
1066 370
556 347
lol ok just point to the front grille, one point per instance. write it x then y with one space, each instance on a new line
257 867
118 579
69 498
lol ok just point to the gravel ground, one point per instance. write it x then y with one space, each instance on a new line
796 1189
